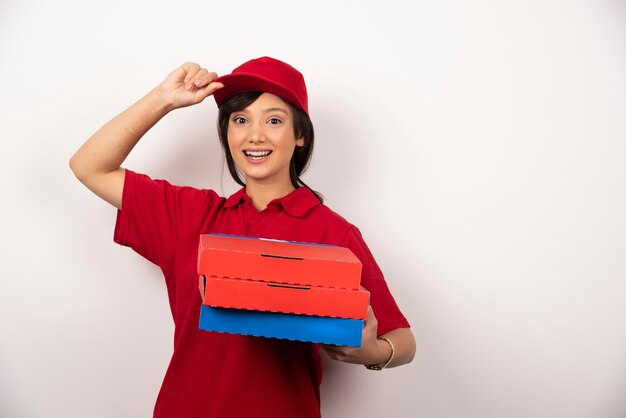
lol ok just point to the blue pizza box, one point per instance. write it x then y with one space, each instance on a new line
315 329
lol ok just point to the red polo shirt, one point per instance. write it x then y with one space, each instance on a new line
222 375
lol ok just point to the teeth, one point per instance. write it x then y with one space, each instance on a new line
257 154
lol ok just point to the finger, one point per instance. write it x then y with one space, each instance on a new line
198 78
371 318
332 348
191 69
210 88
203 78
213 76
179 73
339 350
200 94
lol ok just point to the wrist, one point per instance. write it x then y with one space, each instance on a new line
160 100
386 352
383 351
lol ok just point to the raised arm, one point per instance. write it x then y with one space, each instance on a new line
97 163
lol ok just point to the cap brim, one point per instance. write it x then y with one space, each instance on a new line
243 82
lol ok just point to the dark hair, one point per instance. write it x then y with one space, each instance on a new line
302 127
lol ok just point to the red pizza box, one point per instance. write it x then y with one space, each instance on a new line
274 297
278 261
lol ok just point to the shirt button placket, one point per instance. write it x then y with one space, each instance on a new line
256 223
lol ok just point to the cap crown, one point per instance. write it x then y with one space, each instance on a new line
267 75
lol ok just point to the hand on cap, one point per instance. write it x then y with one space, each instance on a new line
187 85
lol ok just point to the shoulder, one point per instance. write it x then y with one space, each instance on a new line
346 234
331 216
338 229
145 186
159 201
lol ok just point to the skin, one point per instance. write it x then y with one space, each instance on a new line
264 125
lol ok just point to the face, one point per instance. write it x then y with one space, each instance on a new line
262 141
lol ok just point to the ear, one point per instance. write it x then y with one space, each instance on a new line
300 142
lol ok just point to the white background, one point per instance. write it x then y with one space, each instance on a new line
479 145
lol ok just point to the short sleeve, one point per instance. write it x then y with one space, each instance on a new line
156 215
383 304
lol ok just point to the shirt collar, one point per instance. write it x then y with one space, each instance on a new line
235 198
297 203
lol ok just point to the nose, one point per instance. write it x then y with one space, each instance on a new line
256 134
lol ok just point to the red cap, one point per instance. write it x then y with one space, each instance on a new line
267 75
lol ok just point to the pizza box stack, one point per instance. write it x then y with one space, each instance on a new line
281 289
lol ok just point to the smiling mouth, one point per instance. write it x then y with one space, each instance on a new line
257 155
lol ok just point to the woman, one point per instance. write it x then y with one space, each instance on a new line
267 138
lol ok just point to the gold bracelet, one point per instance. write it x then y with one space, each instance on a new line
381 366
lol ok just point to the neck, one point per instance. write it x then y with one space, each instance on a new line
261 194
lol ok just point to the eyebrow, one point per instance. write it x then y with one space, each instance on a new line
275 109
271 109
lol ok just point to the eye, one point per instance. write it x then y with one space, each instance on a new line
274 121
239 120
